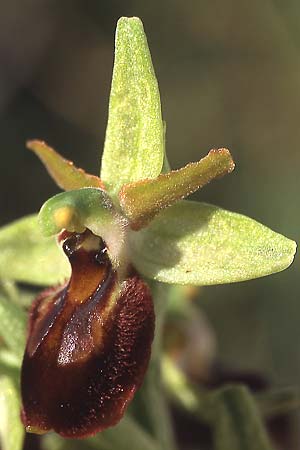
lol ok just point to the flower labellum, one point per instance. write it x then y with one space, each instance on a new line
88 345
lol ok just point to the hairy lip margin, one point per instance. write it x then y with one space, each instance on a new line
88 345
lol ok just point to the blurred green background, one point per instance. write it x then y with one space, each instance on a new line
229 76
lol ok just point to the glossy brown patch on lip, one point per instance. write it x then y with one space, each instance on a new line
88 345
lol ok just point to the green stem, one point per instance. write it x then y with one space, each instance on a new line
150 405
183 393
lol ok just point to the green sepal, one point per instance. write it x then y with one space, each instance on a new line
11 428
201 244
134 142
144 199
27 256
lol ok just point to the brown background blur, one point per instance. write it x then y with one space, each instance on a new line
229 75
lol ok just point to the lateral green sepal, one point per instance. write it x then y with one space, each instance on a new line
201 244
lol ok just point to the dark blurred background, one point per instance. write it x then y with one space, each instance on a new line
229 75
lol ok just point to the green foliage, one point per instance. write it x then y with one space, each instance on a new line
27 256
197 243
236 421
11 429
12 326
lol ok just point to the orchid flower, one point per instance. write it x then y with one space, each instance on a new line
89 335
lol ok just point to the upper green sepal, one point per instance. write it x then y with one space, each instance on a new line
201 244
134 142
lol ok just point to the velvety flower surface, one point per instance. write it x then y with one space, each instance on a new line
88 345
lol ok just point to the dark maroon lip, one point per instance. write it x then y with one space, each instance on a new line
88 346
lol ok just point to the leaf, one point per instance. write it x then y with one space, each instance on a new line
134 142
144 199
201 244
237 424
27 256
64 173
11 428
12 326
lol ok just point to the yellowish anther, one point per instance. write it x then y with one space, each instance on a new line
66 217
35 430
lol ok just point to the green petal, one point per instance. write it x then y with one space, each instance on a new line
12 326
144 199
64 173
134 143
11 428
27 256
201 244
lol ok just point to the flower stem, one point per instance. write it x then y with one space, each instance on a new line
150 404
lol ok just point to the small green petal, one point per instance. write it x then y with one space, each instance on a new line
144 199
64 173
134 143
201 244
11 428
27 256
